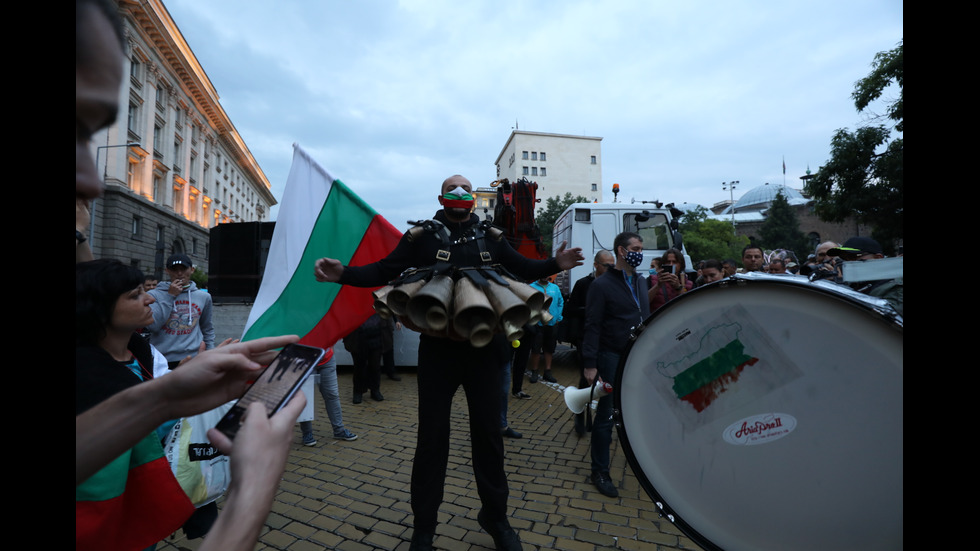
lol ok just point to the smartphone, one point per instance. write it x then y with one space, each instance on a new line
275 386
668 268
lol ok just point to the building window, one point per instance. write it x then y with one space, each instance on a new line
135 69
137 227
132 117
524 171
595 187
534 155
542 156
593 159
544 171
157 188
524 155
534 171
157 131
159 234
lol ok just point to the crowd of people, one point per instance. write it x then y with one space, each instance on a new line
146 354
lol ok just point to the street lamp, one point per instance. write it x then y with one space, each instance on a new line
730 186
98 153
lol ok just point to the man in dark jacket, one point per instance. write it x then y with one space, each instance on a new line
616 303
444 363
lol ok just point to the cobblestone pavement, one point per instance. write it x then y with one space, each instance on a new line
354 496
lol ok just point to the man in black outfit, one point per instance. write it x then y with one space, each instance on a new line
444 364
616 303
575 316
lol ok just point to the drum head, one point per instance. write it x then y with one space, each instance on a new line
765 413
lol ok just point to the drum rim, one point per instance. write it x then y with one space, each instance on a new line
874 307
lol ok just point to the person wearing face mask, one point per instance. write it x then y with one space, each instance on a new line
670 282
453 240
617 302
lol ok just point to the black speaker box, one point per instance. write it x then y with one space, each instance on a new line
237 259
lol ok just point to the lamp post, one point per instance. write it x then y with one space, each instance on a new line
730 187
98 153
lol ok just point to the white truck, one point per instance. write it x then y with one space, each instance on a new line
594 226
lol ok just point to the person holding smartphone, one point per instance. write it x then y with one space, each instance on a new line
670 281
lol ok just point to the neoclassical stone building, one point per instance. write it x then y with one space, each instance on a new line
173 162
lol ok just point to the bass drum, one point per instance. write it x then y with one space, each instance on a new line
764 412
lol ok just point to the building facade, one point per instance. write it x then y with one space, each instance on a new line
559 163
749 215
173 163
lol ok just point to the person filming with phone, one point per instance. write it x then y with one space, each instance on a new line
669 281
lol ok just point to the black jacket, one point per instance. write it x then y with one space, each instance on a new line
611 310
421 252
98 376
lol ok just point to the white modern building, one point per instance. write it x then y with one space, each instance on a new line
559 163
174 165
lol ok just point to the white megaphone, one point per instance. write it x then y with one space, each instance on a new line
577 398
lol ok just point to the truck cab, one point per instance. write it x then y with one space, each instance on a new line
594 226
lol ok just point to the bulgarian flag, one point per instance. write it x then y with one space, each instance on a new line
131 503
319 217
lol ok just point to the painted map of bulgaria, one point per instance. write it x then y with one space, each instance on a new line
718 366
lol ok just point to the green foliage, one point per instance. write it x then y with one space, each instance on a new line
704 238
864 177
781 230
200 278
547 216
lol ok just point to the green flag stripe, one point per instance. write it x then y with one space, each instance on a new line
341 224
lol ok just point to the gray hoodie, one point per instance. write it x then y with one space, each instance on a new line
181 323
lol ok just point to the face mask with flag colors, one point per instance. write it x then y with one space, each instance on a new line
457 198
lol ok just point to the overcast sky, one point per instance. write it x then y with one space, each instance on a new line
393 97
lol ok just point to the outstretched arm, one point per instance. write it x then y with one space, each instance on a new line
210 379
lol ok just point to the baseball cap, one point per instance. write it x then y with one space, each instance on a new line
856 246
179 258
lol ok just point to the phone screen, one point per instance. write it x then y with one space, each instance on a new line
275 386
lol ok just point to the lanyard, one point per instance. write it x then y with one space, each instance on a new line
633 291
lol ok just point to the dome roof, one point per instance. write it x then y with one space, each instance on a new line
759 198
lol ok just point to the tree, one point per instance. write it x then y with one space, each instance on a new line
546 217
864 176
781 230
709 238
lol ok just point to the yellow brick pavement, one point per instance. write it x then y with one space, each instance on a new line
354 496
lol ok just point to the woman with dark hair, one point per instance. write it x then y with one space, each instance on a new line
134 501
670 281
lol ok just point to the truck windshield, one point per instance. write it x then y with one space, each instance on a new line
652 228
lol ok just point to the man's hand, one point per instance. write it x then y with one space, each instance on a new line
328 270
568 259
176 287
217 376
590 374
258 458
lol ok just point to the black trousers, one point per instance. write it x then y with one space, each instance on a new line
444 366
367 369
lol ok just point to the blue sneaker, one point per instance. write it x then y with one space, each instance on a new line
308 440
345 435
